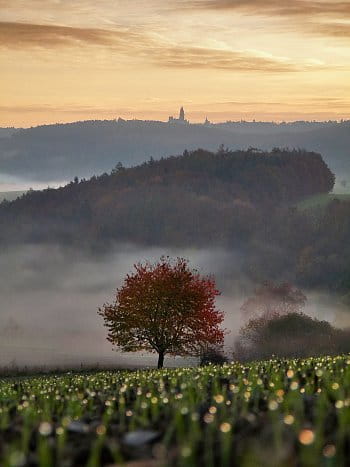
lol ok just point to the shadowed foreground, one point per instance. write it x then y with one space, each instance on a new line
277 412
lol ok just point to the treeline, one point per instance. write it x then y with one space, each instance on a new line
243 201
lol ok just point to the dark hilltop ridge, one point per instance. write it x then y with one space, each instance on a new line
178 200
243 201
58 152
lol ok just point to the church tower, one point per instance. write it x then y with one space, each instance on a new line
181 120
182 115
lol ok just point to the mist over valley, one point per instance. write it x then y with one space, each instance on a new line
50 296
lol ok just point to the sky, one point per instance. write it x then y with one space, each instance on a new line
68 60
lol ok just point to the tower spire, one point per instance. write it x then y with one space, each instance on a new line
182 114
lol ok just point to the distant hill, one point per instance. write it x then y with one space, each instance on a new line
7 132
59 152
149 203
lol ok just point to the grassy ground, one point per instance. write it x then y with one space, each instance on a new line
275 413
322 200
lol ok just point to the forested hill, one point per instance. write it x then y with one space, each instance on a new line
244 202
175 200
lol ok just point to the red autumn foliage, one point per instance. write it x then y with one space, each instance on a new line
165 308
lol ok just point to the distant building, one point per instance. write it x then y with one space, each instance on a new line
182 114
181 118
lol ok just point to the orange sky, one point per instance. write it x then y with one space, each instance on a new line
67 60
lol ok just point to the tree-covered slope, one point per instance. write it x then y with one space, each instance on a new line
243 201
179 199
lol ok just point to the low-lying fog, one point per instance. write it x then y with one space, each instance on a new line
50 295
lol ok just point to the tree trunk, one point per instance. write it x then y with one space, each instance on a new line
160 359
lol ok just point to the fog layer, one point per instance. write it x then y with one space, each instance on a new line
50 296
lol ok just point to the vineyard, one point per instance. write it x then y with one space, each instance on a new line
271 413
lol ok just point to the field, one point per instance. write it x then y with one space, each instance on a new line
272 413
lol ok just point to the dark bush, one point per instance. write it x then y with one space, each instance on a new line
212 356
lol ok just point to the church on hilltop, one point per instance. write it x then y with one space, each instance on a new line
181 118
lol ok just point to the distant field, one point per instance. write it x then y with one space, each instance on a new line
10 195
322 200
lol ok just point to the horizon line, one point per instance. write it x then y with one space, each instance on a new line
175 123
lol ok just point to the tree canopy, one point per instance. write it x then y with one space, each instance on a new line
166 308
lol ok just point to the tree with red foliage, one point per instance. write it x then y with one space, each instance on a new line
166 308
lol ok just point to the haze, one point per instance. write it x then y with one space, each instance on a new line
50 297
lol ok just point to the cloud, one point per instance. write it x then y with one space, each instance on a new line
199 57
336 30
315 17
23 35
68 108
276 7
143 46
338 101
